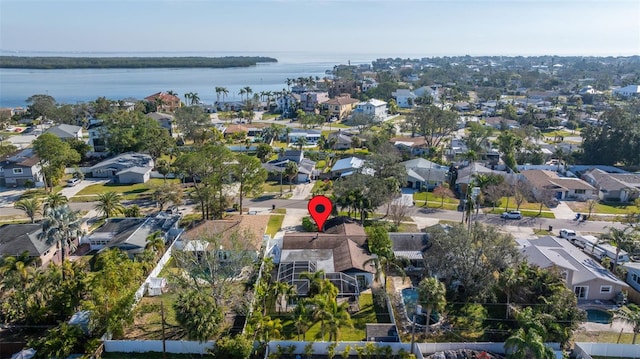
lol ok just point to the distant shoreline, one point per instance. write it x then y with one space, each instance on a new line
60 62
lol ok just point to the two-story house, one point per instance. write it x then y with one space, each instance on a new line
405 98
20 168
310 101
164 102
340 107
377 109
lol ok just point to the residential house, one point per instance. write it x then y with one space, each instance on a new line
467 175
615 187
166 121
287 103
368 84
16 239
130 234
582 274
311 136
236 131
340 107
412 247
64 131
627 91
373 108
500 122
310 101
340 251
306 167
346 166
414 146
563 188
227 237
405 98
428 91
20 168
97 136
633 274
339 140
125 168
168 103
424 174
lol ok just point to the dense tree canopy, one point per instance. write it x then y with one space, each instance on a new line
615 139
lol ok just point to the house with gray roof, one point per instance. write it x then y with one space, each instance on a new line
424 174
306 167
582 274
16 239
166 121
618 187
633 274
65 131
348 166
130 234
125 168
411 246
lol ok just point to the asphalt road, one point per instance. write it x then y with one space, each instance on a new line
493 219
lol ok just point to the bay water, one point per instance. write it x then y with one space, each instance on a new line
71 86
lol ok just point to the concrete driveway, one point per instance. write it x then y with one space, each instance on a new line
72 191
9 195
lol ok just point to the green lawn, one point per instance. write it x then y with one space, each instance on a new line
148 324
274 225
367 314
603 207
127 190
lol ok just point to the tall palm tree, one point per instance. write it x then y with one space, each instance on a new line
301 142
30 206
61 226
218 92
432 293
55 200
195 99
159 104
301 315
241 93
630 314
225 92
187 97
16 269
248 91
527 344
109 204
155 242
291 171
620 237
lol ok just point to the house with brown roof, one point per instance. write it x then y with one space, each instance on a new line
340 107
20 168
618 187
563 188
168 103
340 252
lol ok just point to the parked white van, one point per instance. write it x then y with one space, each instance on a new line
569 234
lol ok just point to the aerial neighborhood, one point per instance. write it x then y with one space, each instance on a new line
488 206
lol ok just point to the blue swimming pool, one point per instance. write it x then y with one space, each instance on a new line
410 301
598 316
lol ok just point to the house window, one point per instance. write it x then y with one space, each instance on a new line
605 289
17 171
580 191
564 274
635 278
581 292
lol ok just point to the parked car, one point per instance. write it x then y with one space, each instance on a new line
569 234
72 182
512 215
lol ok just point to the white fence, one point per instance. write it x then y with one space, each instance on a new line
145 346
320 348
154 273
587 350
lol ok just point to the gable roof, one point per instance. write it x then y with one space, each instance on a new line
64 130
550 179
547 251
26 157
349 163
18 238
346 253
341 101
612 181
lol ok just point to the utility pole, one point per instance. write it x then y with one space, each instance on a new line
413 333
164 342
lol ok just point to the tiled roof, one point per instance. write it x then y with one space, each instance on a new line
250 228
341 101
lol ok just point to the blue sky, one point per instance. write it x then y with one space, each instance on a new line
386 27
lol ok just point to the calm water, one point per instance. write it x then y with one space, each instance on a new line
74 86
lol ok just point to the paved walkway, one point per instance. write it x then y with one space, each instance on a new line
563 211
302 191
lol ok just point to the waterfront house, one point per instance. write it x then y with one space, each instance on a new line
168 102
310 101
340 107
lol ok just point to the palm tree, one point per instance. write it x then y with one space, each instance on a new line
155 242
339 317
301 142
55 200
159 104
301 320
432 293
291 171
187 97
14 269
30 206
248 91
620 237
61 226
109 204
527 344
195 99
630 314
218 92
241 93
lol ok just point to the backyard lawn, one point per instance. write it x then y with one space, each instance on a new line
129 191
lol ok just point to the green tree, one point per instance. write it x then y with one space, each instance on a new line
155 242
238 347
55 200
132 211
30 206
379 242
250 174
158 142
263 152
199 314
620 237
630 314
109 204
61 226
434 124
54 154
168 193
527 344
41 106
509 143
432 297
291 171
60 342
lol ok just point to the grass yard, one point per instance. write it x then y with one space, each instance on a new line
603 207
147 321
274 224
274 186
601 337
420 196
368 314
129 191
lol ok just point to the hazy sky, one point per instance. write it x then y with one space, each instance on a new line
386 27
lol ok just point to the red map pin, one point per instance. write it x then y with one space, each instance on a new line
320 208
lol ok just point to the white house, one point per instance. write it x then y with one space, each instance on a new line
404 98
633 274
373 107
65 131
312 136
627 91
